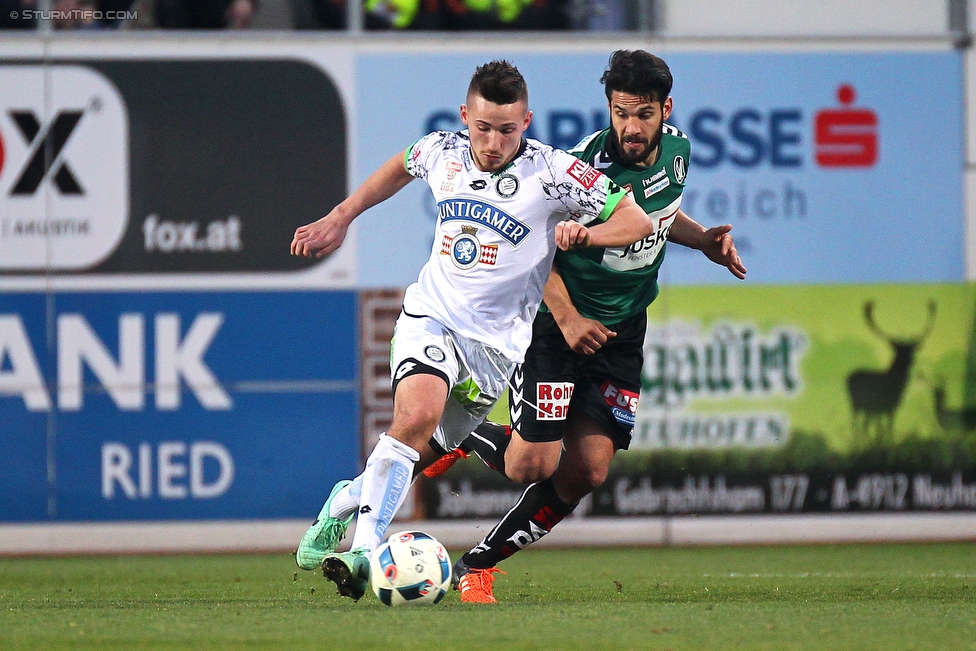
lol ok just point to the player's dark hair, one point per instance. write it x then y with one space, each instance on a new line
499 82
637 72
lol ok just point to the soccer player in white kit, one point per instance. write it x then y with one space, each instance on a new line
504 204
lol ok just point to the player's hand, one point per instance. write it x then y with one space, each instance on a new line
571 235
585 336
719 247
320 238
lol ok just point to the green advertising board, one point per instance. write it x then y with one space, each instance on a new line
858 366
786 399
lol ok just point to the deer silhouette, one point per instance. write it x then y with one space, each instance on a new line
963 419
875 395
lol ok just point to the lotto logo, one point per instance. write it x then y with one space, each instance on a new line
552 399
583 173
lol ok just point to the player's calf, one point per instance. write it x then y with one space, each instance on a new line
489 441
534 515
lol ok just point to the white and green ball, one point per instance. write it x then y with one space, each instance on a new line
410 568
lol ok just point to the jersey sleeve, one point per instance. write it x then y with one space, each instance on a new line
419 156
586 192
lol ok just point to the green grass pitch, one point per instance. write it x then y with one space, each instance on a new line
843 597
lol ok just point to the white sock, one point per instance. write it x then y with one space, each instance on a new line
346 500
386 483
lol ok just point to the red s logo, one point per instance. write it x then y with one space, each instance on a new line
846 137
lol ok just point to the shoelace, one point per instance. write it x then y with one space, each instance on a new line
483 576
333 529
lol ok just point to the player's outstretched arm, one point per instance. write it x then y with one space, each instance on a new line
627 224
324 236
584 336
716 242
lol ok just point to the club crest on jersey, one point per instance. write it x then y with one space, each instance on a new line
583 173
506 186
466 250
484 214
680 169
434 354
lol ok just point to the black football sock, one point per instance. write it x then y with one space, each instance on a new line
489 441
533 516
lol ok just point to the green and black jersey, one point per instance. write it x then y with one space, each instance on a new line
613 284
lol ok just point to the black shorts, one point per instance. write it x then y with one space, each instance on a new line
605 385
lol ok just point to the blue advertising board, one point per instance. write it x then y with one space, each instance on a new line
818 160
175 405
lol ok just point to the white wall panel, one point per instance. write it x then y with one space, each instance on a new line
747 18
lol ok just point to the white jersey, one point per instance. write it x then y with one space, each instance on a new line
495 236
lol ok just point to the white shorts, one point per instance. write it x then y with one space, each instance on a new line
477 374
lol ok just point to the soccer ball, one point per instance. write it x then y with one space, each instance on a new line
410 568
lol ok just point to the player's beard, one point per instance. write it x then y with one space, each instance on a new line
639 158
486 164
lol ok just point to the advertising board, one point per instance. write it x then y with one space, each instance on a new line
175 405
759 400
812 157
160 353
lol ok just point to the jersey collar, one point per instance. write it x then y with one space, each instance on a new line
511 163
521 151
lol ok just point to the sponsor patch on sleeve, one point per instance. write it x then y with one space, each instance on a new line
583 173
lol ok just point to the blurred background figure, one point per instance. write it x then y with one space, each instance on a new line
318 14
466 15
392 14
540 15
203 14
75 15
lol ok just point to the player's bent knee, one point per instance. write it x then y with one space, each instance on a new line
529 462
581 481
594 478
414 427
527 475
529 471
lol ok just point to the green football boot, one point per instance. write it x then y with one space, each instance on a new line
324 535
349 571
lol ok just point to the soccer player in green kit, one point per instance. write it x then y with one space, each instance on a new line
574 400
